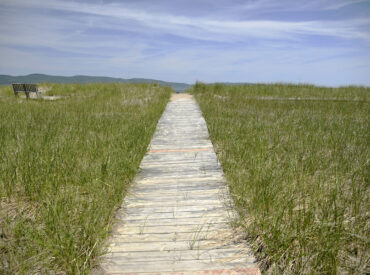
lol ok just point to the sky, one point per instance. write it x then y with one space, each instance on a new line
322 42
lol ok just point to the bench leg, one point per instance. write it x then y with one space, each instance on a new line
27 95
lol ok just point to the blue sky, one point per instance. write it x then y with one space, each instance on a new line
324 42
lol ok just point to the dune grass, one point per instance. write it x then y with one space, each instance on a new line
298 171
65 167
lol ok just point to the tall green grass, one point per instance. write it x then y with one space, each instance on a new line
65 167
298 171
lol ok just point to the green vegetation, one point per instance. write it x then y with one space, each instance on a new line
65 167
298 171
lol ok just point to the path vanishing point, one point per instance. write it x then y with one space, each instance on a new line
176 216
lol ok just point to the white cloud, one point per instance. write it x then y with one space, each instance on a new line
206 28
117 40
294 5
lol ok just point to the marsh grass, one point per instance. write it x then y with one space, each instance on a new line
298 171
65 167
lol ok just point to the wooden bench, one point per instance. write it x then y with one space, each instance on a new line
25 88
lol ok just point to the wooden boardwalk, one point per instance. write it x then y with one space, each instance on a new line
176 217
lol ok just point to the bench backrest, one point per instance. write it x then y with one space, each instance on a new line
18 87
30 87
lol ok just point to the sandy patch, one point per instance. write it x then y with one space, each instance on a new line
175 97
44 89
45 97
52 97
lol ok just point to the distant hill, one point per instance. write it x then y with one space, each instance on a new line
39 78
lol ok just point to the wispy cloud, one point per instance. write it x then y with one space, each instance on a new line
182 40
207 28
313 5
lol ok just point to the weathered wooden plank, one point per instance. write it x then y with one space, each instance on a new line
173 203
179 155
140 180
177 187
196 176
177 199
148 218
178 204
168 162
183 166
195 244
157 229
175 211
165 266
163 237
177 221
146 187
143 256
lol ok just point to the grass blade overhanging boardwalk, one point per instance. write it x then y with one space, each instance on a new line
296 158
65 167
176 218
